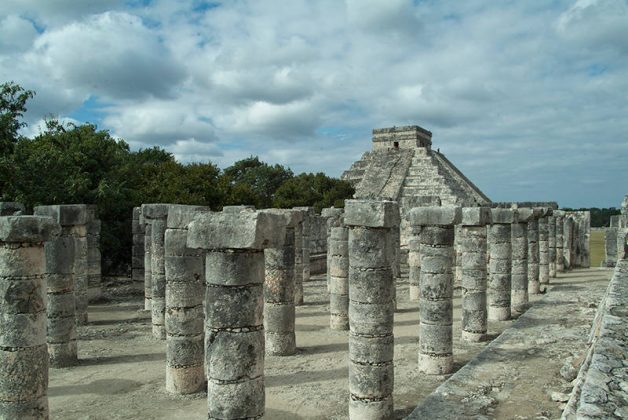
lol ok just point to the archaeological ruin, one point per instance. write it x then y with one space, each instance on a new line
420 299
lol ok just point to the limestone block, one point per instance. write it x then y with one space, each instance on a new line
369 213
502 216
28 229
243 230
155 211
435 216
476 216
179 216
64 214
523 215
11 208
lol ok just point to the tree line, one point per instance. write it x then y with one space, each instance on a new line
68 163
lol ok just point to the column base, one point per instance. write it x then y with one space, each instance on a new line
435 365
339 323
498 313
474 337
414 293
62 354
534 288
159 332
280 344
371 409
185 380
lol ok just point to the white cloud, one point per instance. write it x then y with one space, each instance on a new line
513 91
16 34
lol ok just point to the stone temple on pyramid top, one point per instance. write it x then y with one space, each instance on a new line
403 167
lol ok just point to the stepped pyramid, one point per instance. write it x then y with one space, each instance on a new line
403 167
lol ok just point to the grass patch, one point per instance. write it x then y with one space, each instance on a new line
596 243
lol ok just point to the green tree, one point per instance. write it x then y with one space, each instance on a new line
316 190
251 181
12 106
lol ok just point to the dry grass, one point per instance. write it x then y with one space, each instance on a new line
597 248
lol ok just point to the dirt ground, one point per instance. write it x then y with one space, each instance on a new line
122 368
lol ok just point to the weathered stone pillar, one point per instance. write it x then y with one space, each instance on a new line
519 270
371 307
437 283
339 278
234 331
23 353
544 248
551 244
298 262
305 244
568 237
148 287
560 259
533 253
472 245
137 251
333 218
279 312
457 257
185 289
156 215
500 264
94 274
73 221
10 208
414 267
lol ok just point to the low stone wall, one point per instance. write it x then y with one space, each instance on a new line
600 390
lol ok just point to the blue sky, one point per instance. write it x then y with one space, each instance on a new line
527 98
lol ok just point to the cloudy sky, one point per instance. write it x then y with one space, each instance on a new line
528 98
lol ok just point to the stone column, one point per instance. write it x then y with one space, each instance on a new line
279 312
533 253
414 269
185 287
333 218
544 248
94 274
298 262
519 270
472 245
371 307
137 251
500 264
10 208
305 244
560 259
339 278
23 353
60 263
234 331
156 215
457 257
437 282
148 287
551 243
568 233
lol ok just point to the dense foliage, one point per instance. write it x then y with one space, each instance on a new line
81 164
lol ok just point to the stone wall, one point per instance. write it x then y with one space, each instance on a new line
600 390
